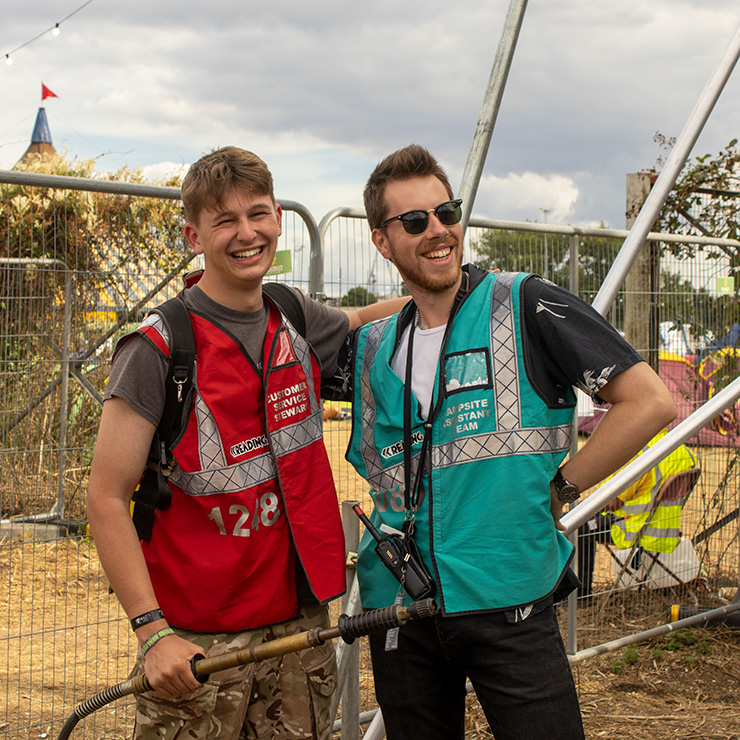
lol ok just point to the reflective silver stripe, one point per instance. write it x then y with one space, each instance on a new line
666 533
504 354
635 509
156 321
368 451
298 435
215 475
210 446
658 481
229 479
663 533
388 479
502 444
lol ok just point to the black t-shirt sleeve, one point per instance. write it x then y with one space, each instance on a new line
326 329
567 343
339 386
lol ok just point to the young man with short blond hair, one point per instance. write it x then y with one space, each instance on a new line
250 546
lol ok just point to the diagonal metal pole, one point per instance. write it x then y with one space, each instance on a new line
618 272
491 104
648 459
667 178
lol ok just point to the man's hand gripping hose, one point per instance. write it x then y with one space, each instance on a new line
348 628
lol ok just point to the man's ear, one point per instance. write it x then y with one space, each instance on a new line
279 216
380 240
191 234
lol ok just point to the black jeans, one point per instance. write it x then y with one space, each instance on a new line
519 671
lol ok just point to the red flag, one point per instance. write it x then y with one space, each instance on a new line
46 93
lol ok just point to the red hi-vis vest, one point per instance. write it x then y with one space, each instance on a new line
252 488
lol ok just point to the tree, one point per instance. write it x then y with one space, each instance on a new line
358 297
508 250
520 251
92 256
706 197
102 239
99 237
706 202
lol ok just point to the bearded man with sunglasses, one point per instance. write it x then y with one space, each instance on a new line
462 416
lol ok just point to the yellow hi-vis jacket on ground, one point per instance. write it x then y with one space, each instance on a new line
658 531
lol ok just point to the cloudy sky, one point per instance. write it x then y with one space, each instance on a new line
323 90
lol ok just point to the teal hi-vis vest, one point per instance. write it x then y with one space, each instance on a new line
483 524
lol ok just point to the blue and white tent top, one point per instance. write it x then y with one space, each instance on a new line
41 132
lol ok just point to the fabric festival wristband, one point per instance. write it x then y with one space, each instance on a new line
155 638
145 618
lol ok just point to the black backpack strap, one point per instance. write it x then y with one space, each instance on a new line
179 381
153 491
288 303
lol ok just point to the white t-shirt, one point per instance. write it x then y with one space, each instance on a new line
427 343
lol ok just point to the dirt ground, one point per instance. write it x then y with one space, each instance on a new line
656 693
63 638
66 640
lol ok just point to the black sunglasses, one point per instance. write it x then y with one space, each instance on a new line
416 222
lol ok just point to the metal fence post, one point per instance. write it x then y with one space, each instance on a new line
64 409
376 730
351 653
572 606
573 274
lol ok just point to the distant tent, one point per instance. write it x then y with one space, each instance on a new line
691 386
41 145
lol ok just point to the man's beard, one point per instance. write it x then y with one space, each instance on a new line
430 283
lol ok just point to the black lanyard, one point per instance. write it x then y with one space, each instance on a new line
411 493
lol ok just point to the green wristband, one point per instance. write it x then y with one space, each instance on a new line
147 645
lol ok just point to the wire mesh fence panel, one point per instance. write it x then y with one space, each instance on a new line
635 589
78 270
577 262
64 635
74 267
293 256
354 271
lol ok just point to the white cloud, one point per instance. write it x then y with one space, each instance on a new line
163 170
521 197
323 90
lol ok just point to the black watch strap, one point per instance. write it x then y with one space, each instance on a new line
145 618
567 492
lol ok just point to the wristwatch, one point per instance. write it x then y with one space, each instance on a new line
567 492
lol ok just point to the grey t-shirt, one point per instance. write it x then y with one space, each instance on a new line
138 373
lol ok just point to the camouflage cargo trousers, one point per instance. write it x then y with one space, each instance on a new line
286 698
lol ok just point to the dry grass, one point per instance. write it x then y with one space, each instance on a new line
63 638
